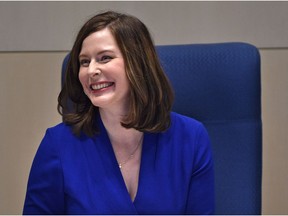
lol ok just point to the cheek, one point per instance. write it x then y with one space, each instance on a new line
81 77
83 80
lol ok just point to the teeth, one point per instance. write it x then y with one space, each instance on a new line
100 86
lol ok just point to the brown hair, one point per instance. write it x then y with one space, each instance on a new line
150 91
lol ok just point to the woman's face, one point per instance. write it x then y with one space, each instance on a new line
102 71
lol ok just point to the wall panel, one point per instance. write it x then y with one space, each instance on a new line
30 83
51 26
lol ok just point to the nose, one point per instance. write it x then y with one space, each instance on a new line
94 69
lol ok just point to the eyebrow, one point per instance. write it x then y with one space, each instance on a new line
99 53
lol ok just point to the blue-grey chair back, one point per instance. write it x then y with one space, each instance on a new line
219 84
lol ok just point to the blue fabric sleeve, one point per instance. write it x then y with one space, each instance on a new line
201 197
45 194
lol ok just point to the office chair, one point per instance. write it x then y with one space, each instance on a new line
219 85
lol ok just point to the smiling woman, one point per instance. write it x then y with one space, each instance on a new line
102 72
120 149
150 93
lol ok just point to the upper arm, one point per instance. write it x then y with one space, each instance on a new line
45 193
201 189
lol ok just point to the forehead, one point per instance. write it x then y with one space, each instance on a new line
102 39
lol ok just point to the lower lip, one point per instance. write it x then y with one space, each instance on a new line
102 89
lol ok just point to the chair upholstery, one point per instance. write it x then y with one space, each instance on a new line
219 85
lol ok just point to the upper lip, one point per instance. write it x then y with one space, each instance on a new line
100 85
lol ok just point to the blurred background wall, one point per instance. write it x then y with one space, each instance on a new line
35 36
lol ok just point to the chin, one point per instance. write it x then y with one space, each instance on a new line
101 103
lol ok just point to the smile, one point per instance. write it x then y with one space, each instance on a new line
100 86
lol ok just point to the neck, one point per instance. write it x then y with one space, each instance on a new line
118 135
111 120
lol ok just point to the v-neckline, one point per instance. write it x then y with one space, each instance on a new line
120 176
115 166
114 175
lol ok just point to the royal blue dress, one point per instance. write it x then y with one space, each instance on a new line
80 175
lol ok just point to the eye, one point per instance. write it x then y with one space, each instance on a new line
84 62
105 59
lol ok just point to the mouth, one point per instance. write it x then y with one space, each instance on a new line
100 86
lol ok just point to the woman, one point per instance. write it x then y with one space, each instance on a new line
120 149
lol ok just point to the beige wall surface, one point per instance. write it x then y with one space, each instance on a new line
53 25
275 130
30 80
29 84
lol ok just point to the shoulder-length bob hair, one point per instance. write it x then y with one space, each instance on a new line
151 95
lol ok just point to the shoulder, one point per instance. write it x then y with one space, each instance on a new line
193 138
62 131
188 131
60 128
60 136
59 143
179 117
183 123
